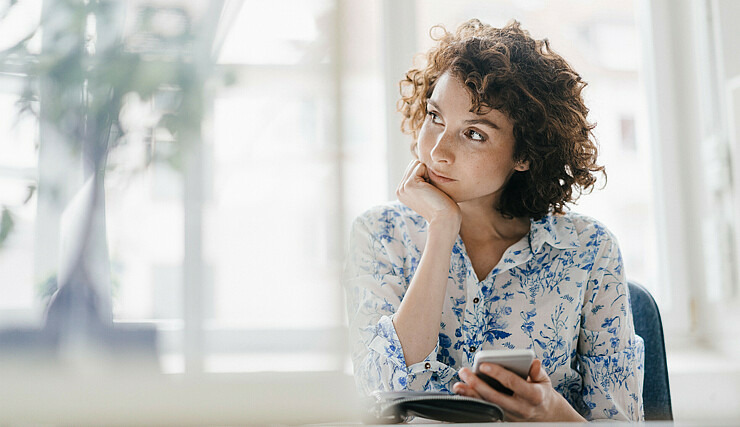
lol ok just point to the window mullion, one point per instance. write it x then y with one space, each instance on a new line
399 44
193 254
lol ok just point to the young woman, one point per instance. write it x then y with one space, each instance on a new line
480 253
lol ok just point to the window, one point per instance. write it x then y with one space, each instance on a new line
306 138
286 156
17 184
18 178
691 130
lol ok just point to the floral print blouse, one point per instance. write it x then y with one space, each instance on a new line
560 290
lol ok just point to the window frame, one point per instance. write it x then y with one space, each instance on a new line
691 148
664 26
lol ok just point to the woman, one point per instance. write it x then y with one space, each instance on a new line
480 253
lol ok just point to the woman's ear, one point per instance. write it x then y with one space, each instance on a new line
522 165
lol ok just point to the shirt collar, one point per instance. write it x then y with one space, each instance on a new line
557 231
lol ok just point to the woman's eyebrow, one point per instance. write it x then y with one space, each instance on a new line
482 122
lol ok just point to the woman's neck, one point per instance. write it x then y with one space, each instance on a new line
481 223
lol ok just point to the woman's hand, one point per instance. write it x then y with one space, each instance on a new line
427 200
418 317
534 399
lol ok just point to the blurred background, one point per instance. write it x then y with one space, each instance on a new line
299 134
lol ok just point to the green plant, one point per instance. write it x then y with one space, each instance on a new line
90 66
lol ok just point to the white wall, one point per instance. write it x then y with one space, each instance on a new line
687 73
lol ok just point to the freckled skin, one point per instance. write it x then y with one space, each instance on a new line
478 156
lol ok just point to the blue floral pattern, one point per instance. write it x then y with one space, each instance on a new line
560 291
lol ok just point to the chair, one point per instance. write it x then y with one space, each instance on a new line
656 393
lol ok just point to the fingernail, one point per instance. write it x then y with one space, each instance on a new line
485 368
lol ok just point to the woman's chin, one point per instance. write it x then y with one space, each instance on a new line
451 196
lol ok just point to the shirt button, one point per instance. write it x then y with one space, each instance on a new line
427 365
476 300
472 349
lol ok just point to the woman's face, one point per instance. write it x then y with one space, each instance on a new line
470 157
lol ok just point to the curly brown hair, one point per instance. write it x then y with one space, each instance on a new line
507 70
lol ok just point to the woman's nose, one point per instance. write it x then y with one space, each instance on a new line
442 151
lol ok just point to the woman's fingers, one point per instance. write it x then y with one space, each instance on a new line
521 388
532 400
465 390
484 390
536 373
428 201
513 406
409 169
415 176
421 170
507 378
408 173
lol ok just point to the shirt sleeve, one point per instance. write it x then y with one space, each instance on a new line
374 290
610 354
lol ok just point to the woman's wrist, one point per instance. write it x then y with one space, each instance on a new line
566 412
442 237
448 225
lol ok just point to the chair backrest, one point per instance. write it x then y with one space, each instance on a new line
656 393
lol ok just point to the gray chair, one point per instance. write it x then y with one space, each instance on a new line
656 393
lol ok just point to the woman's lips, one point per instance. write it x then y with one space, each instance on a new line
439 178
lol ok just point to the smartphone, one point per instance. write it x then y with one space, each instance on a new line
517 361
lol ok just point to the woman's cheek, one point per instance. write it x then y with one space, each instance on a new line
422 146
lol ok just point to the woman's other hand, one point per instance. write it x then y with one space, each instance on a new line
534 399
427 200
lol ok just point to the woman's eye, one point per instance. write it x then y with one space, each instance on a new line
475 136
435 117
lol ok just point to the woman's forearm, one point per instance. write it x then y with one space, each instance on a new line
418 317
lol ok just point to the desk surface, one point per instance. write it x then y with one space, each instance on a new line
133 398
127 398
